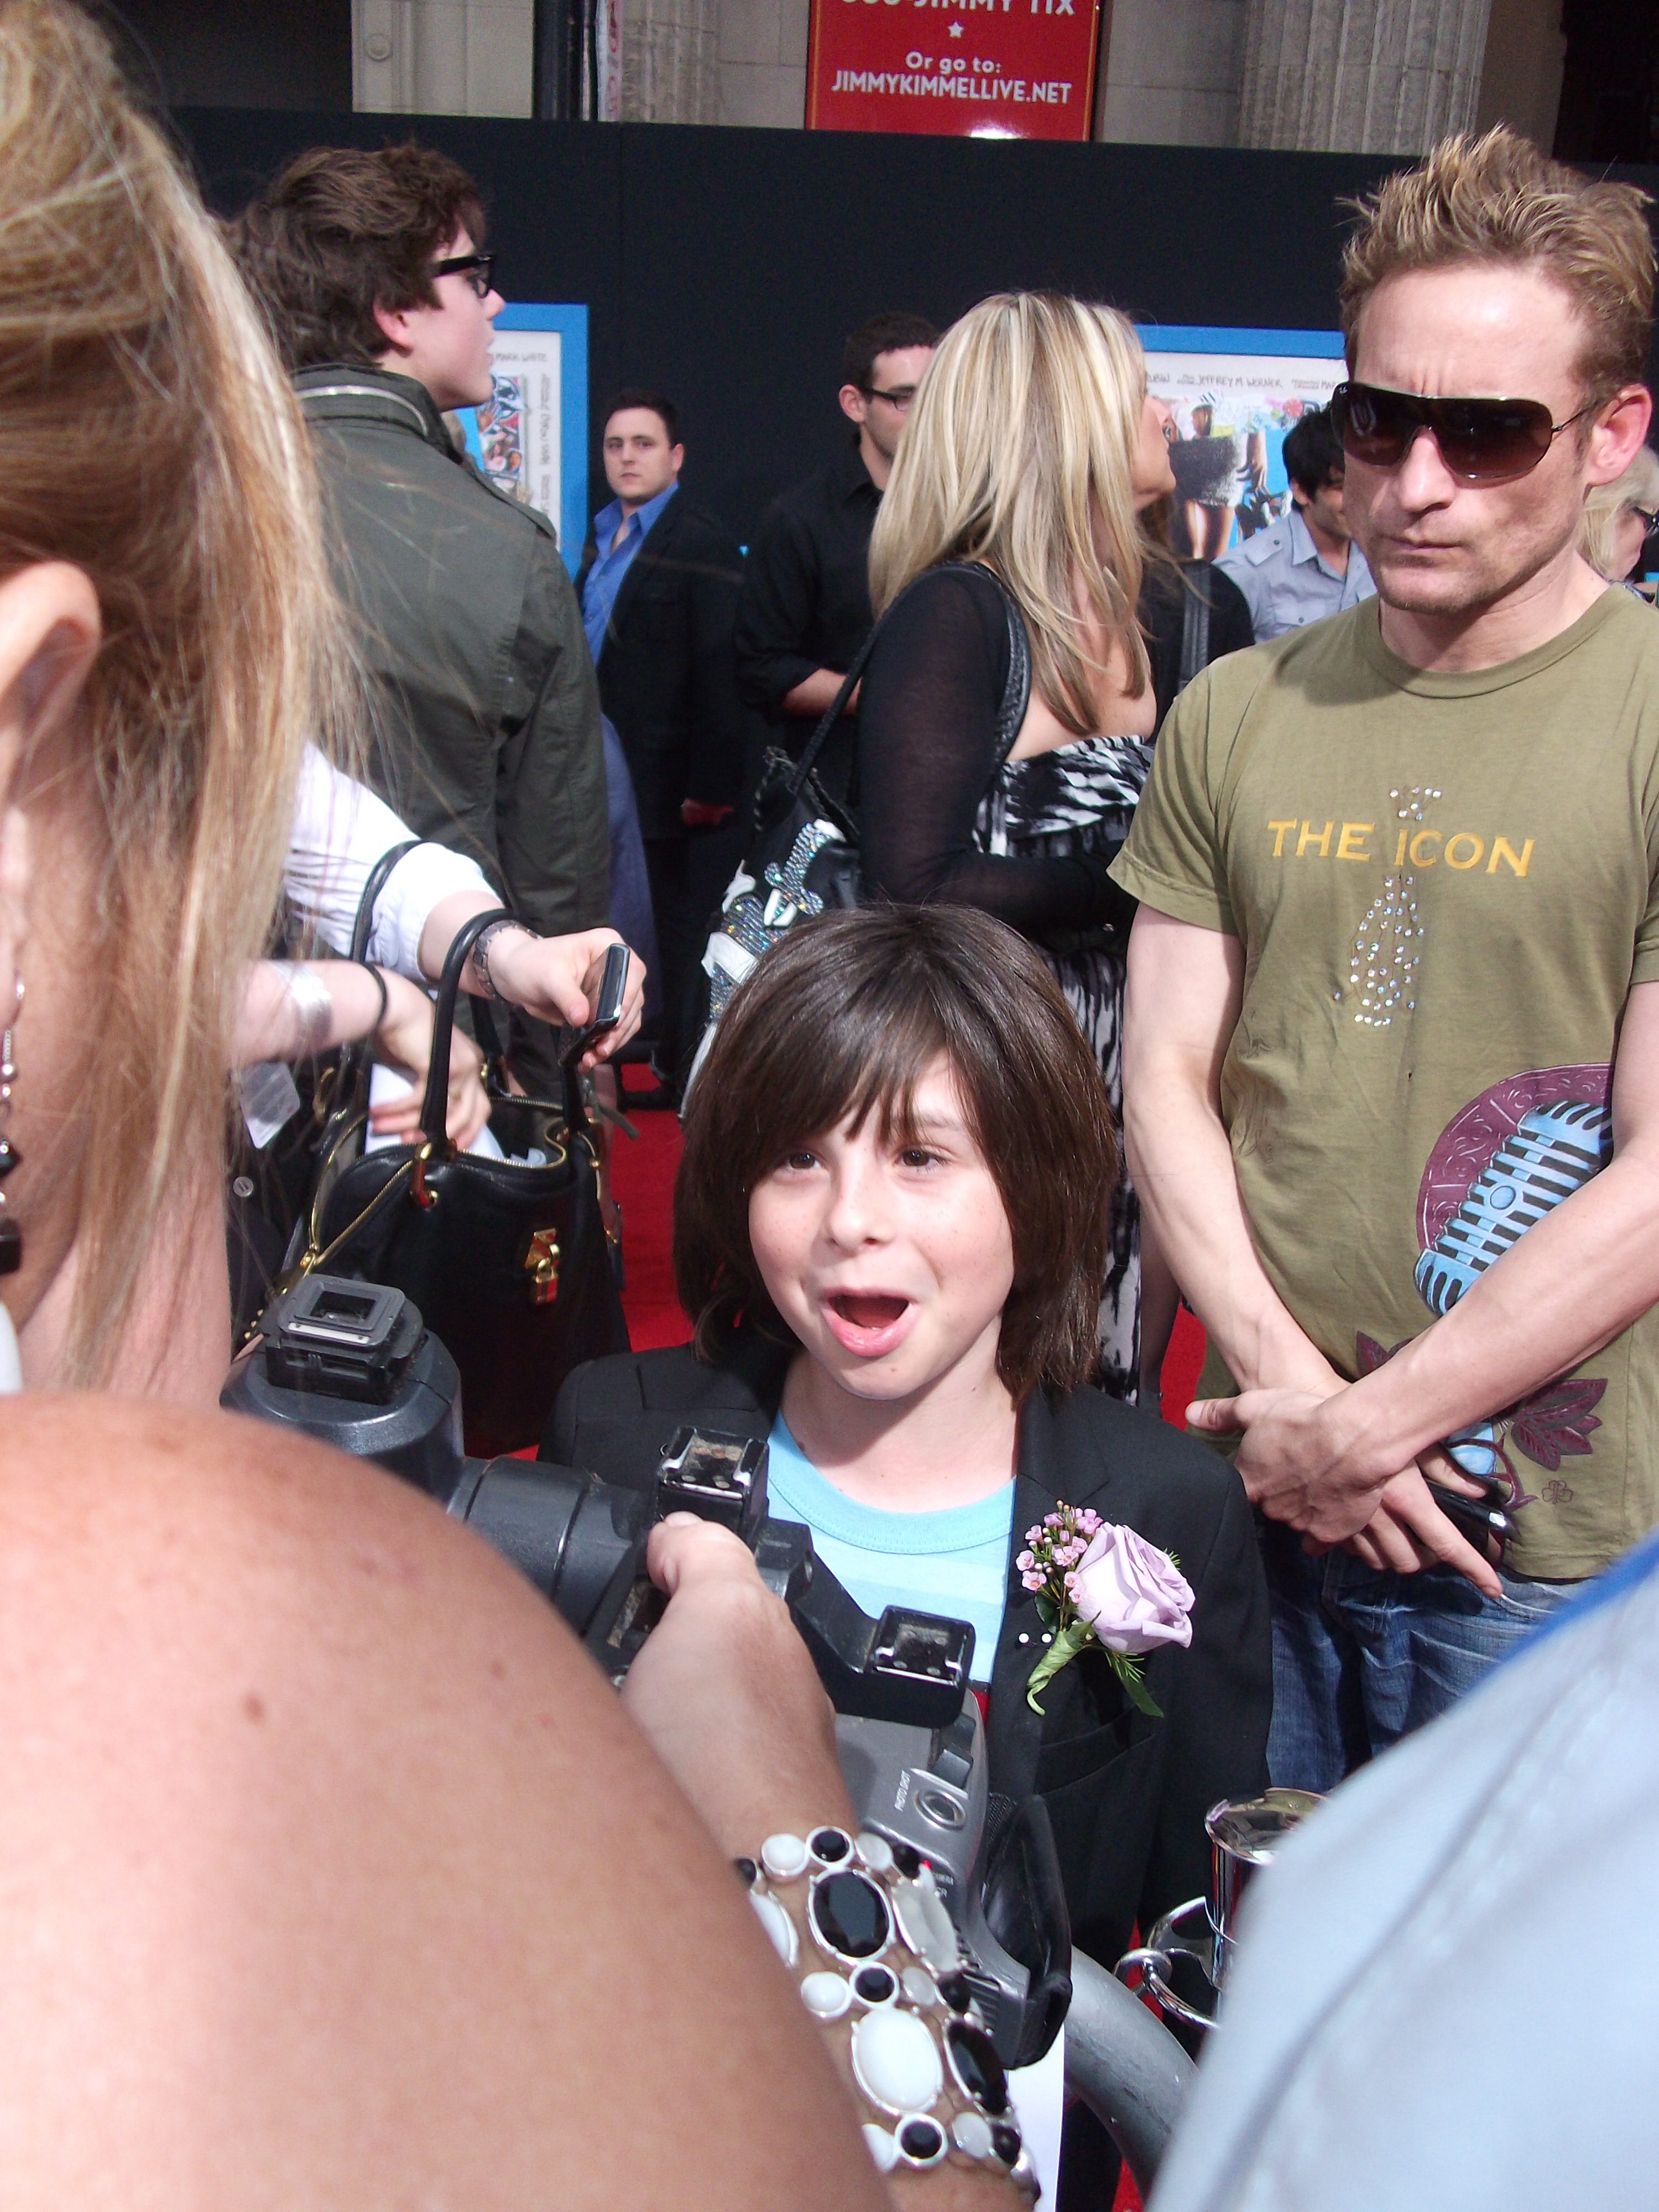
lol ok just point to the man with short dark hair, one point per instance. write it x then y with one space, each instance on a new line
1305 565
805 606
1391 1058
370 269
658 586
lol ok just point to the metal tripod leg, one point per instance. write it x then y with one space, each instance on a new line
1126 2066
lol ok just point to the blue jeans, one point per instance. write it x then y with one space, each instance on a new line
1361 1658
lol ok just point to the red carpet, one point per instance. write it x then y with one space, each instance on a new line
1181 1364
643 1177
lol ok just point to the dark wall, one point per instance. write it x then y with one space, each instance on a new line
286 53
1609 107
726 266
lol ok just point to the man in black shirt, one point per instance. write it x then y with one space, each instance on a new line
805 606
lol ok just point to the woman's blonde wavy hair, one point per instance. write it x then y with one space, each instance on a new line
148 436
1639 487
1018 453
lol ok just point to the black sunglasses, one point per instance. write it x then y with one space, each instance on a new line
1481 441
475 267
900 398
1650 515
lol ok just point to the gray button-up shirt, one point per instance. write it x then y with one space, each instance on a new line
1284 578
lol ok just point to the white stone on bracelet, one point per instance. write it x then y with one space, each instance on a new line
875 1850
896 2061
972 2132
882 2147
826 1996
784 1856
925 1924
778 1925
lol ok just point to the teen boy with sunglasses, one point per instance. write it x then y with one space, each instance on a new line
1392 1064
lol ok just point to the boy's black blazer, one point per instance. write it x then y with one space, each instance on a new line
1127 1794
667 677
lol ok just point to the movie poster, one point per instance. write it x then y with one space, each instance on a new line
1233 394
530 438
965 69
518 429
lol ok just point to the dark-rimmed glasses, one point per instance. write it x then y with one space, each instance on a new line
1649 516
475 267
1481 441
900 398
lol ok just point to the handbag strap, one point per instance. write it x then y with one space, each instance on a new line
434 1109
1016 694
1194 632
379 876
346 1098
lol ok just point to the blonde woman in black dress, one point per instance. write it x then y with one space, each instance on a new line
1031 447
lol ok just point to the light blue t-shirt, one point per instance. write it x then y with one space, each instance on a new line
953 1562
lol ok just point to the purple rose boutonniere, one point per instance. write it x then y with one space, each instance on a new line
1099 1585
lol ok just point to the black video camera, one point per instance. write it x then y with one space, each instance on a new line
350 1364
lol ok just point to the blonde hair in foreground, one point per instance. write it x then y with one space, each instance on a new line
148 436
1018 453
1497 198
1605 503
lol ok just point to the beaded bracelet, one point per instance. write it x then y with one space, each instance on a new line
878 1950
482 944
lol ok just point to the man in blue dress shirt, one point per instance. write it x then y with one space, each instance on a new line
659 589
1306 565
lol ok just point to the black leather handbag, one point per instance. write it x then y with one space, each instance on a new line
506 1259
804 857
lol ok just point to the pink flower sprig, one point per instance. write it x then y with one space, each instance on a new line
1055 1549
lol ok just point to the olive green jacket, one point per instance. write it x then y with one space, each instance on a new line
487 714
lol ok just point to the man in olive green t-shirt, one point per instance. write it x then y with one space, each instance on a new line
1392 1053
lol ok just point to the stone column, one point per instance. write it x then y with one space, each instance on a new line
1361 76
442 56
670 61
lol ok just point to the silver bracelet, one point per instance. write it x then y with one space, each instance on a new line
309 996
482 944
872 1944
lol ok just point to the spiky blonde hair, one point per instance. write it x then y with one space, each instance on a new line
1498 199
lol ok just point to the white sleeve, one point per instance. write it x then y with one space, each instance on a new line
340 830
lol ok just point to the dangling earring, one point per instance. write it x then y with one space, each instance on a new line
11 1236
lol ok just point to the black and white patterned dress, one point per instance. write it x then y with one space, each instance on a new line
1081 798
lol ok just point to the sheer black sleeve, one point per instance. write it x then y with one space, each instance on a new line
927 715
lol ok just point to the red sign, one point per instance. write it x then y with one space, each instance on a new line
969 69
